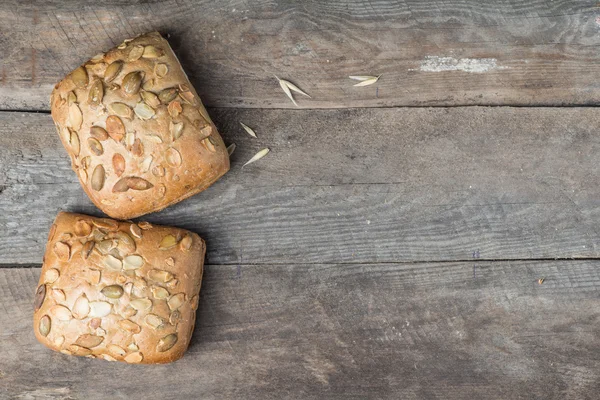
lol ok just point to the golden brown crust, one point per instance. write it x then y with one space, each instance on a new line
117 290
137 133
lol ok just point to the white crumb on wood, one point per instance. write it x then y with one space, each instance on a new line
473 65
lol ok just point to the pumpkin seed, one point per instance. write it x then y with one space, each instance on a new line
166 343
204 114
173 157
89 341
112 263
99 133
186 242
209 144
71 98
174 108
128 311
79 350
113 70
116 350
132 347
170 261
61 313
105 246
106 223
176 129
158 171
152 52
135 231
75 116
80 77
188 97
51 275
159 275
167 242
74 142
87 248
115 128
40 296
62 251
118 164
132 262
146 163
81 308
112 291
107 357
137 149
167 95
159 292
98 177
150 98
176 301
148 84
95 146
131 182
154 321
135 53
99 309
125 243
134 358
132 82
141 304
96 93
172 284
154 139
145 225
59 295
130 326
120 109
144 111
161 70
45 325
174 317
82 228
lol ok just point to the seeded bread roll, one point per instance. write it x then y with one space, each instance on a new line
117 290
137 133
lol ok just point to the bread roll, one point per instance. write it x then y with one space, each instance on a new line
137 133
118 290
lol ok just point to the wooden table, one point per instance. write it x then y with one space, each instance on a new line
403 240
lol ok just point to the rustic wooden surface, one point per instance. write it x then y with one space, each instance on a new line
376 252
513 52
360 185
481 330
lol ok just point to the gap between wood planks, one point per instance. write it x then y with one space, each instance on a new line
574 105
407 262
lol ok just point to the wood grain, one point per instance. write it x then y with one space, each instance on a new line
432 52
385 331
356 185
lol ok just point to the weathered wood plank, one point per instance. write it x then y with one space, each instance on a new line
396 331
368 185
434 52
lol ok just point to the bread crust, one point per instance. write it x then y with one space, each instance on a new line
131 297
159 145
